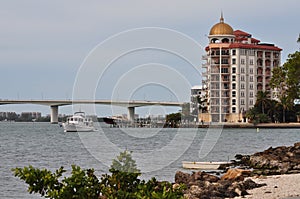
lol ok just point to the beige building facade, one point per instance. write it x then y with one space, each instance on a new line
236 67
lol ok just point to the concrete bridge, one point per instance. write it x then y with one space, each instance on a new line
54 104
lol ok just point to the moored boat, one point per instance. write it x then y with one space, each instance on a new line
79 122
205 165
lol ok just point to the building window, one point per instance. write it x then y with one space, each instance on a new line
242 102
224 61
234 102
251 62
233 52
233 94
242 78
224 70
226 78
242 94
233 61
251 86
233 109
242 86
233 70
243 61
251 102
233 86
251 70
233 78
251 94
242 70
251 78
226 86
243 51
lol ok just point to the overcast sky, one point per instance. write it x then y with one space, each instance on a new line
44 43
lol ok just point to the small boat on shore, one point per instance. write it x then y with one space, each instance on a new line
205 165
79 122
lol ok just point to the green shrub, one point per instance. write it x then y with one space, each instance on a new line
123 183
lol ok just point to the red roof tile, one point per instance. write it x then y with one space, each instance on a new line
253 46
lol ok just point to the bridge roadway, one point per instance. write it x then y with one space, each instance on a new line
54 104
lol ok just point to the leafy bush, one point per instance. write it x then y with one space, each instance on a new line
81 184
123 182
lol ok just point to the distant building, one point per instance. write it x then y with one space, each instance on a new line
31 115
237 66
8 116
198 101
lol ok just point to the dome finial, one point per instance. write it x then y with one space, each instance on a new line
221 19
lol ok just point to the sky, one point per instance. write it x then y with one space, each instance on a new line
46 45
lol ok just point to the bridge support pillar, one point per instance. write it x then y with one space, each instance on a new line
131 114
54 114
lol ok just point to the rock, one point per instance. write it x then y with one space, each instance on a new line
236 174
250 184
195 190
297 145
181 177
279 160
209 178
204 186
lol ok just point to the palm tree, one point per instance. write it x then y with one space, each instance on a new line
273 109
286 104
262 100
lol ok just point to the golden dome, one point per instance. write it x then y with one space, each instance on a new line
221 28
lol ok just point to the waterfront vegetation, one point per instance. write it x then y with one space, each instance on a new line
123 182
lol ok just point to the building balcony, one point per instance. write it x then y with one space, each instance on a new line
214 80
259 80
215 64
215 72
225 87
225 79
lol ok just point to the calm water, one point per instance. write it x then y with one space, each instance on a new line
158 152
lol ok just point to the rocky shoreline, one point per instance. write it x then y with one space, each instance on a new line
252 174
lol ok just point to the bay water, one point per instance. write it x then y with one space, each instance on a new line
159 152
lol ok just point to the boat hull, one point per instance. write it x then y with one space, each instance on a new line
77 128
205 165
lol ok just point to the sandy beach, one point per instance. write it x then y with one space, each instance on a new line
278 187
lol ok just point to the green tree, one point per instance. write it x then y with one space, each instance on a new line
252 114
286 81
273 110
292 66
262 100
125 163
278 80
286 104
255 116
173 119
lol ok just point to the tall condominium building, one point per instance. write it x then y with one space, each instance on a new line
236 67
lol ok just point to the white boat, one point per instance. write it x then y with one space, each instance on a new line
79 122
205 165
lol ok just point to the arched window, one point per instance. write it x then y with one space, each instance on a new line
233 102
215 40
225 40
